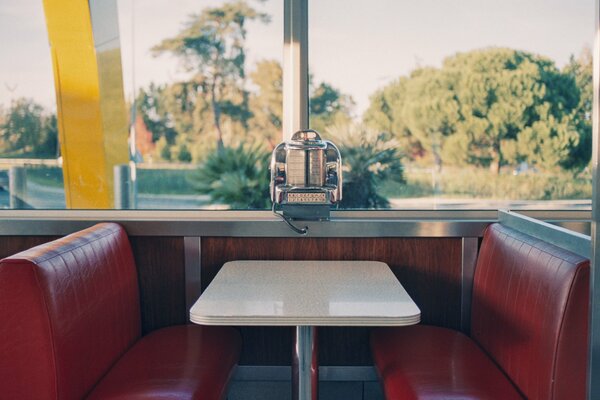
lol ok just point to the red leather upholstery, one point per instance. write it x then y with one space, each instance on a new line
69 312
530 313
180 362
428 362
529 319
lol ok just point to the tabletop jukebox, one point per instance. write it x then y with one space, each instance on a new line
306 176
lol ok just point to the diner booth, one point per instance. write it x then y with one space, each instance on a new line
303 301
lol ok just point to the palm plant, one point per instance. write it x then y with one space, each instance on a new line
236 176
369 159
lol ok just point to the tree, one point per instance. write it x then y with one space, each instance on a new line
495 106
512 99
580 69
27 130
212 46
432 113
151 106
385 114
267 102
328 106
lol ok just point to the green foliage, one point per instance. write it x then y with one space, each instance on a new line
328 107
267 103
184 154
368 160
490 108
27 130
580 69
237 176
216 105
212 46
151 105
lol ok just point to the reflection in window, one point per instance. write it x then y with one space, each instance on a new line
459 104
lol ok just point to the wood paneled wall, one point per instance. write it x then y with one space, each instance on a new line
429 269
10 245
161 273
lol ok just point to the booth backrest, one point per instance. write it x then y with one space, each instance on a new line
69 310
530 313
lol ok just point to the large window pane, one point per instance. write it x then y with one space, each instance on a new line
456 104
207 82
202 86
28 132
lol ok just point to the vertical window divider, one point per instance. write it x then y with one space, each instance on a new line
295 67
594 328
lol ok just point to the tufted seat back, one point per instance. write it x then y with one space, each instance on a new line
69 310
530 313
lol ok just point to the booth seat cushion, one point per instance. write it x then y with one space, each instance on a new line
70 318
180 362
530 313
428 362
68 310
529 316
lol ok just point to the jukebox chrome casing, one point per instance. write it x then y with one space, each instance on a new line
306 176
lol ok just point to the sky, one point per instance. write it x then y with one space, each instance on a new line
355 45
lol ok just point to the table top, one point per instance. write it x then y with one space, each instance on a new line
295 293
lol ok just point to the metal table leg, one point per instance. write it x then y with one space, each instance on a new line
305 368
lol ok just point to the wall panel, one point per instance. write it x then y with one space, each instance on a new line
10 245
161 274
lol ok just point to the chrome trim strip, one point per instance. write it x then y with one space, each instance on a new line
556 235
469 261
446 223
193 278
593 380
243 215
253 228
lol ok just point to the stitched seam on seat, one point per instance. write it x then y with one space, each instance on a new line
509 232
562 325
35 274
70 249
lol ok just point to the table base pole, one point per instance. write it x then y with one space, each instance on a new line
305 364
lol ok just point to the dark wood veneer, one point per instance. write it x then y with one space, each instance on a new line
161 274
10 245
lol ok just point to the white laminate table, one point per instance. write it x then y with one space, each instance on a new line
305 294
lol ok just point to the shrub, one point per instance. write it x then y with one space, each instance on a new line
368 160
236 176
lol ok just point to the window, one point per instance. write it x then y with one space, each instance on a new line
479 104
434 105
28 131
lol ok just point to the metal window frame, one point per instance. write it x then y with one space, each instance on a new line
594 339
295 67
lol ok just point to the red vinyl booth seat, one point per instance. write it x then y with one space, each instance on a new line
70 329
529 325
